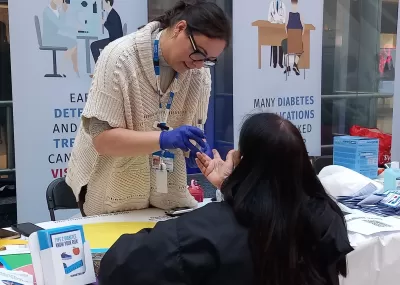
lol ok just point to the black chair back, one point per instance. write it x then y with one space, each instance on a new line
60 196
321 162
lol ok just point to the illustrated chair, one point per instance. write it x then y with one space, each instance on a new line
294 47
53 49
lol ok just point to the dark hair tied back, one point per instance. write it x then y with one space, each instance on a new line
202 17
166 18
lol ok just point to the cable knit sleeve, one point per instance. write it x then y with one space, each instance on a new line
202 108
107 96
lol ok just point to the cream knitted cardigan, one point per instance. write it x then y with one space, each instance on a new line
124 94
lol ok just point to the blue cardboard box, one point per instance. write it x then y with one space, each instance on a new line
357 153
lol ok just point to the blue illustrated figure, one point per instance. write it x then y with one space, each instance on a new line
295 32
113 25
56 33
294 21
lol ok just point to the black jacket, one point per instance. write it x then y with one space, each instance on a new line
206 247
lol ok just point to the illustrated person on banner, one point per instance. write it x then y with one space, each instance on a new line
147 106
57 34
295 32
113 25
277 15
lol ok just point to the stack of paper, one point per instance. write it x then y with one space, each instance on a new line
15 277
370 224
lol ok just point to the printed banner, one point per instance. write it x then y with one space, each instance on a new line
396 103
277 47
55 45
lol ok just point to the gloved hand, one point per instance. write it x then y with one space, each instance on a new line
191 160
179 138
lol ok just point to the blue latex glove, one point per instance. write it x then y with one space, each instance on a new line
179 139
191 161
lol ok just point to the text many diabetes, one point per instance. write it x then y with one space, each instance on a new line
296 101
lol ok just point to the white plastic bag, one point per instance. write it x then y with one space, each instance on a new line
341 181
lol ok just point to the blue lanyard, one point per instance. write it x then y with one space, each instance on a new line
156 62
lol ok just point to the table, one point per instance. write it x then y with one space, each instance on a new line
375 260
146 215
270 34
87 39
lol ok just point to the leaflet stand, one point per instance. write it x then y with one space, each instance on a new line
49 270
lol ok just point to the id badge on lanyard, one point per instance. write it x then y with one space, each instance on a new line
162 161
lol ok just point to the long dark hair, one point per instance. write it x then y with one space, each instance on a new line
272 192
202 17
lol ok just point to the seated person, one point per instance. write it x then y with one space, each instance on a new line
57 33
276 225
294 31
113 25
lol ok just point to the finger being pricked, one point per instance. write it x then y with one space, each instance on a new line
201 166
216 154
204 158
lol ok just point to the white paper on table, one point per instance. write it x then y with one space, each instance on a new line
20 274
15 249
15 277
371 200
370 224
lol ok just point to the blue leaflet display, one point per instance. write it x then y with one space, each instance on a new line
384 204
392 199
68 243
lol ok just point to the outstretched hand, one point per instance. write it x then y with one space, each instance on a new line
216 170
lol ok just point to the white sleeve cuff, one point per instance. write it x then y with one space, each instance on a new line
219 195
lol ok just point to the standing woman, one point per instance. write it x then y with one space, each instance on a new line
146 107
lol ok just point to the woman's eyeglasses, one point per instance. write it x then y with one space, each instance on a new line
197 55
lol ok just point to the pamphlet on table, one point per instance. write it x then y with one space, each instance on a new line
15 277
62 256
